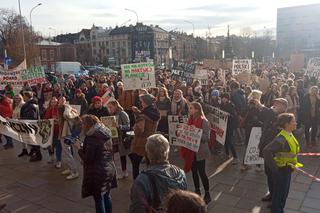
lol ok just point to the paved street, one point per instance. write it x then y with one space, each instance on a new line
39 188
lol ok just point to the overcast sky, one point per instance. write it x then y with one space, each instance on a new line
72 15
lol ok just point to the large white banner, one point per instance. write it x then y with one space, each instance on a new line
218 120
32 132
241 65
252 152
313 68
202 76
138 76
33 75
174 123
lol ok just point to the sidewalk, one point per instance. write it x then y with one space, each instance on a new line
40 188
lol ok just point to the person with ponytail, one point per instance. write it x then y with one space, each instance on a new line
196 161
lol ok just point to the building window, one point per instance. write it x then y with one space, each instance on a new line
107 43
94 44
118 44
113 44
51 55
124 44
44 55
107 51
94 52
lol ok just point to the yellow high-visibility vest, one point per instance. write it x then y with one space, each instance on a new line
288 158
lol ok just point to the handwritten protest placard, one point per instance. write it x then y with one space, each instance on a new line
241 65
189 137
201 75
313 68
252 152
174 123
138 76
32 132
111 123
218 120
17 78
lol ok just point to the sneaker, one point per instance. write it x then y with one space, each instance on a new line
266 198
72 176
66 172
244 168
235 161
51 160
23 153
58 165
258 169
8 146
207 198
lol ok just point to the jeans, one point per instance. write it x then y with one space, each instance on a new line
270 180
57 145
68 157
123 160
281 189
103 203
199 168
135 160
229 145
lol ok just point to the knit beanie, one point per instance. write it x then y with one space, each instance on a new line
215 93
148 99
96 99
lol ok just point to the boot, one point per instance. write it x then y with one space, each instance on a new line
23 153
207 197
36 157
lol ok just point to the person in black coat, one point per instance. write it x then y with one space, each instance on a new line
97 109
309 114
99 171
227 106
30 111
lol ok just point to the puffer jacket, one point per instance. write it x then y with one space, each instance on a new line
99 171
152 185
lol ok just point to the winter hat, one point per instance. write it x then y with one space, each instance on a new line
78 91
120 84
255 94
148 99
215 93
96 99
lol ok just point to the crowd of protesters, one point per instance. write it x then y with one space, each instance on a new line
145 112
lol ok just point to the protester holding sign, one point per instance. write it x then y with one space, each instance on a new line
146 124
228 107
197 161
30 111
123 125
80 99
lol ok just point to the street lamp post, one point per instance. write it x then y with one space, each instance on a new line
39 4
134 13
22 33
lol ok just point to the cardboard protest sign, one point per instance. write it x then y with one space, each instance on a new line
77 108
184 72
211 63
313 68
218 120
138 76
222 75
111 123
107 97
174 123
33 75
296 62
201 75
22 66
32 132
244 78
189 137
252 152
241 65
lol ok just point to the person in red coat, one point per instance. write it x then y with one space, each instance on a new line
6 112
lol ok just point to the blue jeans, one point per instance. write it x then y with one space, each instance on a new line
58 147
281 185
103 203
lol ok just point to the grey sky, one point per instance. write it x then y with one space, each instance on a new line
72 15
